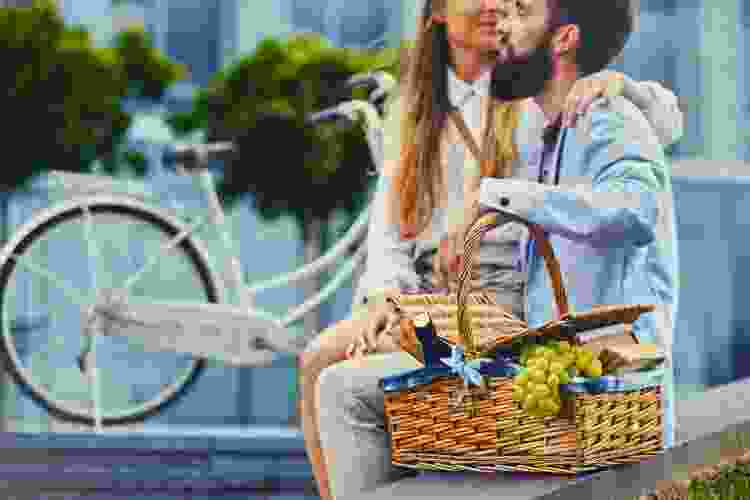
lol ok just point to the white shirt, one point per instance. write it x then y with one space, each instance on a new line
467 97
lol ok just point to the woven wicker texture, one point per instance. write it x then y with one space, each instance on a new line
593 431
491 432
492 324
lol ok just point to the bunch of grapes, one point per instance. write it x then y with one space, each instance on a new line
544 368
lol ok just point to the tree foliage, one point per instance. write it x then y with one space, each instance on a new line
63 96
261 102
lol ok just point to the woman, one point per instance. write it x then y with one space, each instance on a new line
425 178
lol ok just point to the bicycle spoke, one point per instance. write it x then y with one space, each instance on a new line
53 278
92 248
151 262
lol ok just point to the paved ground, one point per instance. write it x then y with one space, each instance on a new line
269 462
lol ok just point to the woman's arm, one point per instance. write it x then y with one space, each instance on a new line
660 107
390 259
389 266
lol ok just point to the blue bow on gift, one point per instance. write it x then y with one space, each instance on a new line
469 372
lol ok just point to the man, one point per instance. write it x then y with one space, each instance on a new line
351 415
610 220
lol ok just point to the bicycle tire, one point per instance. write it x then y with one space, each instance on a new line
68 211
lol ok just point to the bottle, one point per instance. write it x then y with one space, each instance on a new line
434 347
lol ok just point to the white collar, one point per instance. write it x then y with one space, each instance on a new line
460 91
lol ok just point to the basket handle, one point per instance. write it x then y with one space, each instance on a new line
478 229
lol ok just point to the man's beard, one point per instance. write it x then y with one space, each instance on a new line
522 77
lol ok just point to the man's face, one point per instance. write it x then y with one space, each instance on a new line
471 24
524 62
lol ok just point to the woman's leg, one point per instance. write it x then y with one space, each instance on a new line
326 349
352 423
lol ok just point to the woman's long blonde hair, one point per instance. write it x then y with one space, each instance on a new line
425 106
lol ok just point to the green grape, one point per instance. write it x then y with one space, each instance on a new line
582 363
556 391
529 352
538 376
526 355
549 354
521 379
564 346
542 364
569 359
586 354
542 391
540 350
556 367
595 369
550 406
530 402
564 377
553 345
546 404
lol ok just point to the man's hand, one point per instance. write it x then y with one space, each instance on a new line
449 260
605 83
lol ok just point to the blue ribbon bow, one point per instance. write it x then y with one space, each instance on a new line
469 372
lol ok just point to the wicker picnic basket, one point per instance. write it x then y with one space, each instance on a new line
489 431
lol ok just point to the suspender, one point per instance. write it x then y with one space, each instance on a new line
530 244
487 150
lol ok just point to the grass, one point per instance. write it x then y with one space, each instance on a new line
724 475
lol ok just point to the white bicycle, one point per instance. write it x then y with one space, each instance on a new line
150 282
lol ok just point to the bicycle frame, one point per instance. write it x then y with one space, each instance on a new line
231 330
238 333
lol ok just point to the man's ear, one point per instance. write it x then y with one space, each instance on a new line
567 39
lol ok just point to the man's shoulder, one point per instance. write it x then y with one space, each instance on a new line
616 125
617 112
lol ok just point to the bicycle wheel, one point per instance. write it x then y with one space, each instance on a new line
50 267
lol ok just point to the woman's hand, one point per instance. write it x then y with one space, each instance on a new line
383 318
606 83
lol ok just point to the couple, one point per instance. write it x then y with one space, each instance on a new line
595 179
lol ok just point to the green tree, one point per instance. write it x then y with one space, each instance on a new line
289 167
63 98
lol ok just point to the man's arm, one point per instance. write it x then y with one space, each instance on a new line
617 200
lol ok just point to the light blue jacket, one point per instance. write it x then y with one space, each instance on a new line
611 224
391 260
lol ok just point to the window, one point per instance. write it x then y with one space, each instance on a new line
192 37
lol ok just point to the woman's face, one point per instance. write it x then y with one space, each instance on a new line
472 24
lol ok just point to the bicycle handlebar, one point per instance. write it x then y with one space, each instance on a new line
194 155
378 83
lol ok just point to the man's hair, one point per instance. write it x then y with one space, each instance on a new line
605 26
